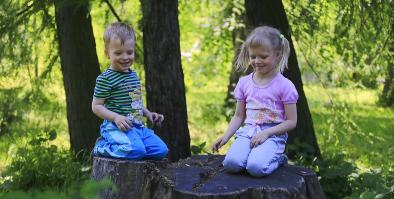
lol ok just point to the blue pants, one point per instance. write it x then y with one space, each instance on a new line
135 144
259 161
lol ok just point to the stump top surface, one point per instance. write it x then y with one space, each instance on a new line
205 174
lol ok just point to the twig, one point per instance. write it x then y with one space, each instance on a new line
113 10
25 9
317 75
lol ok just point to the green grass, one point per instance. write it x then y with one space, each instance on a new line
206 123
372 147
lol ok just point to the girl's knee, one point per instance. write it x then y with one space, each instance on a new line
258 169
233 165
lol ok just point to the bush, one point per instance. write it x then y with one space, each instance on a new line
40 165
88 190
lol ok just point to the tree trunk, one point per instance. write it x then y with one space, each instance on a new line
387 96
272 13
201 177
80 68
165 87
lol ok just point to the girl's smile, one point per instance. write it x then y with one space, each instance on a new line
263 60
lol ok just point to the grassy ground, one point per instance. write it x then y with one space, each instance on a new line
372 146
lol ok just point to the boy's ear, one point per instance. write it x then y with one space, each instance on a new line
106 53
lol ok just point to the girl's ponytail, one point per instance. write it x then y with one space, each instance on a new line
284 53
242 60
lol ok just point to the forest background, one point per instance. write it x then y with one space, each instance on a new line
344 52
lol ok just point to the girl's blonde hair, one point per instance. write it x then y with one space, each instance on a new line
264 36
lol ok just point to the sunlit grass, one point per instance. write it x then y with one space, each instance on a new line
374 149
206 123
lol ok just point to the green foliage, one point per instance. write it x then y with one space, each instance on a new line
345 42
88 190
25 27
11 108
371 184
208 52
198 149
355 147
335 173
41 165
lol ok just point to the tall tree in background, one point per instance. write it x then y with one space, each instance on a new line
302 139
80 68
387 96
165 87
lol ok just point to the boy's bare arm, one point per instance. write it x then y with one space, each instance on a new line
100 110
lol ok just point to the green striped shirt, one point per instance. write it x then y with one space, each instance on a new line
121 92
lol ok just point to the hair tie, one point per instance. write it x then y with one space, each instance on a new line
281 36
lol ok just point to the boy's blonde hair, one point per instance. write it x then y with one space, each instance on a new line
264 36
118 30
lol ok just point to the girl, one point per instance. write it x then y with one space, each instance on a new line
266 103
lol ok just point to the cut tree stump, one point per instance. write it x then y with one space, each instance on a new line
201 176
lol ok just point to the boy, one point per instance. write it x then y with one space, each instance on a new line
118 100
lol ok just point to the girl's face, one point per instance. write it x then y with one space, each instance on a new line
263 59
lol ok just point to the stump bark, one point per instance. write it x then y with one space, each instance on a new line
202 177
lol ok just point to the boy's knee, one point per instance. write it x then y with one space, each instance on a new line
126 148
162 152
136 153
233 165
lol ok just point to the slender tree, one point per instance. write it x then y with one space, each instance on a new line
272 13
80 67
387 96
165 88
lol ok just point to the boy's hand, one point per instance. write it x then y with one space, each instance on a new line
219 143
258 139
155 118
123 123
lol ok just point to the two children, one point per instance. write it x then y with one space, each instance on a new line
266 105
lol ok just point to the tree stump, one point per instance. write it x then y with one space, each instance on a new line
201 176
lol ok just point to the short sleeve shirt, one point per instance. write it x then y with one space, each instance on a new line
121 92
265 104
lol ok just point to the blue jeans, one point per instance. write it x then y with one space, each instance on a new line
259 161
135 144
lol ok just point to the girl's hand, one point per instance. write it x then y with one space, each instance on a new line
219 143
258 139
123 123
155 118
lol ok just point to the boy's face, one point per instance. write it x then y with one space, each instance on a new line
120 55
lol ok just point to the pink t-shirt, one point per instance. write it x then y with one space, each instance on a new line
265 104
